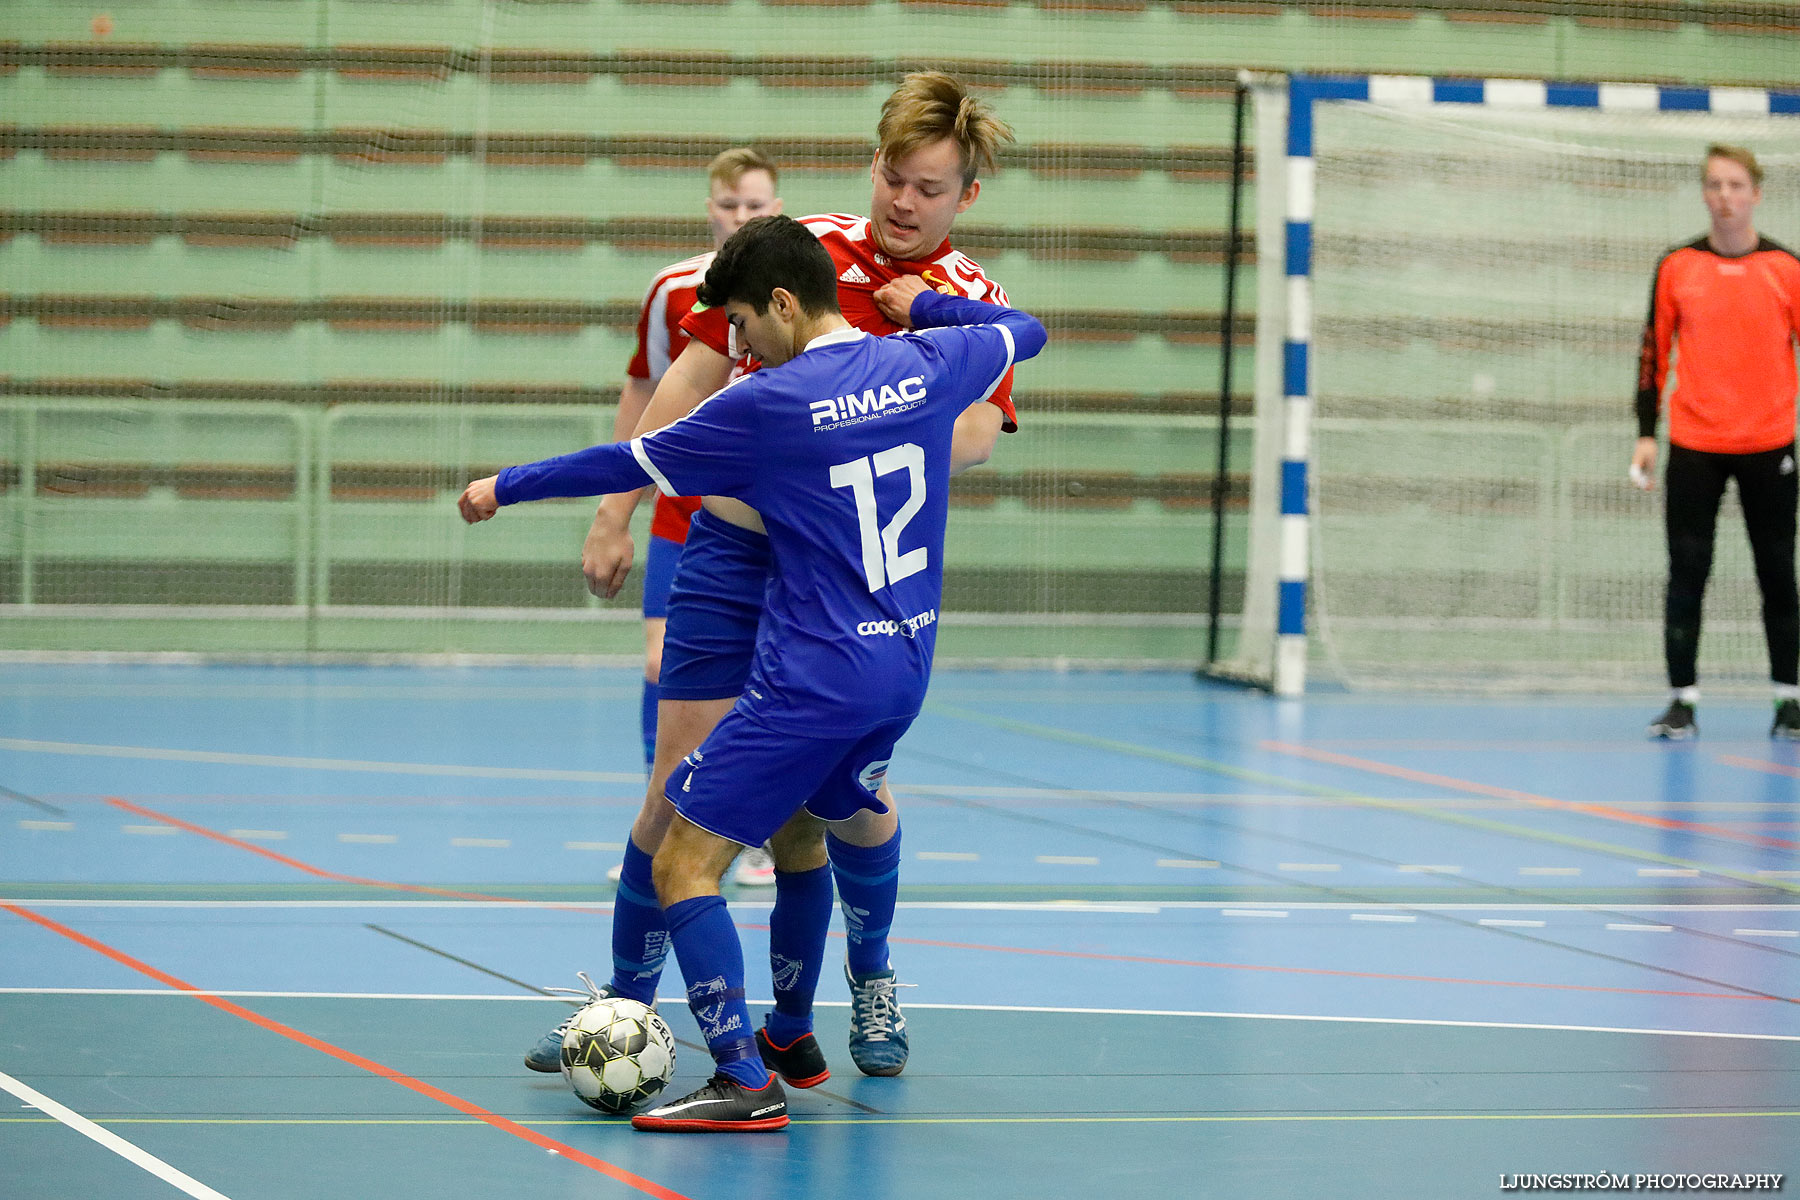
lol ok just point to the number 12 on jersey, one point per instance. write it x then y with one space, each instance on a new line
883 560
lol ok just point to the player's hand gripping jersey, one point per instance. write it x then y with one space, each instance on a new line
845 451
862 271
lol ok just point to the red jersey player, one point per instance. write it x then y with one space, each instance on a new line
933 138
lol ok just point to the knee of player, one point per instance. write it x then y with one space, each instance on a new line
673 873
652 824
799 849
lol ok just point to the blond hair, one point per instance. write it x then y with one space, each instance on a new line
1737 154
930 106
732 165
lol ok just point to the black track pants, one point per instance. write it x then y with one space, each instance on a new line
1768 487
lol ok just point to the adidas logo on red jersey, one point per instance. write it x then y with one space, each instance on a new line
853 274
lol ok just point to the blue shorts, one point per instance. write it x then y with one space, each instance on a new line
746 780
715 602
659 572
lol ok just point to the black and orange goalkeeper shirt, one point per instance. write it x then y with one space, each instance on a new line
1732 325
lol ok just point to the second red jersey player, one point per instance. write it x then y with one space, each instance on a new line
660 340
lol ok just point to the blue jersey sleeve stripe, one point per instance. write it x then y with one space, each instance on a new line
643 457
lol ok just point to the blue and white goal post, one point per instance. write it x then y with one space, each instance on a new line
1452 274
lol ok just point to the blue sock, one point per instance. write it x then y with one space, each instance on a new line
868 884
640 933
647 723
797 930
712 962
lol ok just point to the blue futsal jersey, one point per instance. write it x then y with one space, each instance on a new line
845 451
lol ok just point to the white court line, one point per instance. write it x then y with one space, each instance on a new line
1056 906
1068 860
368 839
1503 923
1251 912
1398 918
1793 933
1190 864
1621 927
1127 906
482 843
259 835
47 826
87 750
112 1141
1427 869
1002 1008
593 845
947 856
1315 867
1668 873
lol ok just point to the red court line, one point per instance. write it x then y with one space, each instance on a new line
296 864
466 1107
1759 764
214 834
1604 811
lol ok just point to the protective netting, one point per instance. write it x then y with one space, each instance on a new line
1482 276
276 276
280 277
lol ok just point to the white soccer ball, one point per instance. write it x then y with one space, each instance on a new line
617 1054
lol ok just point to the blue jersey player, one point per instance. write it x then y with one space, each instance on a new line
843 444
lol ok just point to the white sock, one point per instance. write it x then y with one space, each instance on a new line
1787 691
1687 695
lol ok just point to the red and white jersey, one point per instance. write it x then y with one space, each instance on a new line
863 268
660 341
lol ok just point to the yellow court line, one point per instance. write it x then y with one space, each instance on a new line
1249 1118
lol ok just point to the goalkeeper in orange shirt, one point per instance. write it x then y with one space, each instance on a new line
1728 306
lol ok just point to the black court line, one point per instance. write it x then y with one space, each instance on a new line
22 798
531 987
473 966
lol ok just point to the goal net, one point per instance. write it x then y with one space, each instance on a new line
1480 277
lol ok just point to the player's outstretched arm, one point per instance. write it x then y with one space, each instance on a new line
596 471
934 310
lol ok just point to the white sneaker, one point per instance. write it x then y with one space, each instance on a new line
755 868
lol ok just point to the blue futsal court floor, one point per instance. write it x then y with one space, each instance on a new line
281 932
